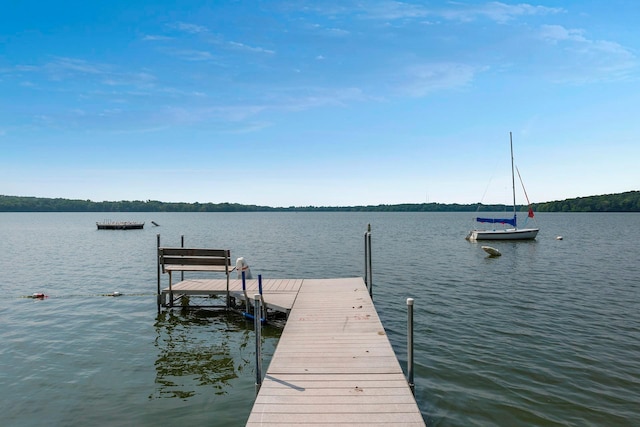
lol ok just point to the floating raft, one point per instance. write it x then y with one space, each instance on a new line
120 225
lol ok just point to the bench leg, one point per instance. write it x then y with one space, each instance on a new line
170 292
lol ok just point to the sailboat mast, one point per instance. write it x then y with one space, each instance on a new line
513 179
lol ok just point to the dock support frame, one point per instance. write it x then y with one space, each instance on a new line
368 272
159 295
412 385
257 298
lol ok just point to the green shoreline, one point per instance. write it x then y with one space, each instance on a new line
620 202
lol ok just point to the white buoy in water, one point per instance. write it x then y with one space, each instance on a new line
241 265
491 251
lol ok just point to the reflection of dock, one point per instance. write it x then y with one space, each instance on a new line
333 364
190 358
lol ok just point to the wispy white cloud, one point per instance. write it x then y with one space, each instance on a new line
141 130
584 60
236 113
129 79
556 33
247 117
69 69
392 10
336 32
190 54
421 80
495 11
211 39
188 28
151 37
80 86
305 98
182 93
108 112
45 120
27 68
249 127
324 31
62 67
186 115
242 46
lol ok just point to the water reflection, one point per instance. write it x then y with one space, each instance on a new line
200 351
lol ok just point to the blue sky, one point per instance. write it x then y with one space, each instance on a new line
324 103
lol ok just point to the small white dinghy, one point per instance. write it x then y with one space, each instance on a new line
491 251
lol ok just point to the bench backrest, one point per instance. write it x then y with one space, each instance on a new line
191 256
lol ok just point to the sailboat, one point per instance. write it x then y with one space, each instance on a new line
513 233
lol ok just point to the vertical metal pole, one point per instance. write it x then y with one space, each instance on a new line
182 246
244 292
370 270
258 327
366 260
158 261
412 386
264 306
513 182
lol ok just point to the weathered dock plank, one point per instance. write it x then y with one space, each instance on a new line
334 364
278 294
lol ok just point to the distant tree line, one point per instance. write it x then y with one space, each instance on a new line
622 202
41 204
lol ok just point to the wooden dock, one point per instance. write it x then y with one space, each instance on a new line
333 366
278 294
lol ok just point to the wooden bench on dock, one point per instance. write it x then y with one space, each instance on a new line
194 259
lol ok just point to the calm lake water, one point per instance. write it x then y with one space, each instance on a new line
547 334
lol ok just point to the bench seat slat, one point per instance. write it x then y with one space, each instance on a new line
191 252
195 261
220 268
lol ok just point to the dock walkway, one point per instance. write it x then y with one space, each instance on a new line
278 294
334 364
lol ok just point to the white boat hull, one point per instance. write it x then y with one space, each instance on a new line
506 234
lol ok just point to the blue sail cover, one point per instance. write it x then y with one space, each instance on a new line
511 221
